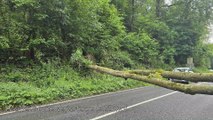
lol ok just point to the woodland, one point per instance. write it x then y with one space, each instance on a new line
47 45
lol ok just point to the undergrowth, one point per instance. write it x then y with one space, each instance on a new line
51 82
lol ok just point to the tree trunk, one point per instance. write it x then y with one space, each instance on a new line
193 77
158 8
186 88
132 15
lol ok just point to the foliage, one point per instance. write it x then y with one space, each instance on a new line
179 27
40 40
119 60
78 61
141 47
52 82
43 30
36 31
202 69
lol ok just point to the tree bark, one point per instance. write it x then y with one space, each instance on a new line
186 88
193 77
158 8
132 15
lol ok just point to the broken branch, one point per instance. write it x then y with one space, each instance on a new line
186 88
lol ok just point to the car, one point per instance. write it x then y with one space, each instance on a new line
181 69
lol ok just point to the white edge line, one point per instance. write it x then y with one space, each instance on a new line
129 107
68 101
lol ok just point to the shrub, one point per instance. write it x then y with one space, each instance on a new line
52 82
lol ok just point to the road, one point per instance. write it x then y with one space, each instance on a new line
147 103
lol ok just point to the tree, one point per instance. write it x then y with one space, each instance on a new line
48 29
37 30
142 48
192 77
189 19
189 89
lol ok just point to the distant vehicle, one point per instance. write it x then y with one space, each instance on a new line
181 69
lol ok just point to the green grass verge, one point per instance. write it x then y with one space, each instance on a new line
40 85
202 70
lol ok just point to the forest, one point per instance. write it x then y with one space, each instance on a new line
43 44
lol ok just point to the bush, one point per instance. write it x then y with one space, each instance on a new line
119 60
141 47
20 94
78 61
52 82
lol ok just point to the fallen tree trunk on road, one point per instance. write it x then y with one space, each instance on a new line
193 77
145 72
186 88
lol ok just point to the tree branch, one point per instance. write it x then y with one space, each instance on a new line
186 88
193 77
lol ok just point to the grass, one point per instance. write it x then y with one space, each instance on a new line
202 70
50 83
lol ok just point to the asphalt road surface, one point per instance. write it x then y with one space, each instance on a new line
147 103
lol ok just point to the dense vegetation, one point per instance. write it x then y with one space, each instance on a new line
51 82
114 33
118 32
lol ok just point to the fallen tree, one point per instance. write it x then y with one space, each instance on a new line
186 88
193 77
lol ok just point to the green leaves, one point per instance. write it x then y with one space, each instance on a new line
78 60
4 42
38 30
64 83
20 3
141 47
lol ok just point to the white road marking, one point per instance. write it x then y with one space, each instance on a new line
68 101
129 107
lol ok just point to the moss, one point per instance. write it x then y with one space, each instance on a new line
189 88
193 77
